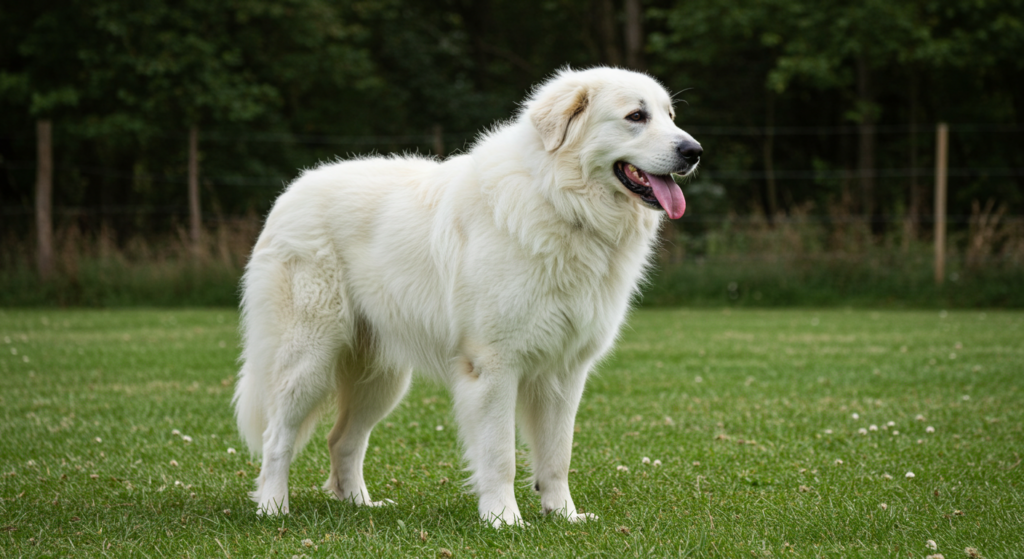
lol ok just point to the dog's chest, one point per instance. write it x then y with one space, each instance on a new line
575 310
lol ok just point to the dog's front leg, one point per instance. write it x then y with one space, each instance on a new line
485 401
548 415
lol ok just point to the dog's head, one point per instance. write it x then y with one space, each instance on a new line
620 124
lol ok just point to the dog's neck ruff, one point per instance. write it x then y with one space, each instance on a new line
560 195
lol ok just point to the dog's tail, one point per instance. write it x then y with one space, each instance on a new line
250 409
260 342
252 405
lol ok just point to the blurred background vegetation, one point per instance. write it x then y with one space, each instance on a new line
817 118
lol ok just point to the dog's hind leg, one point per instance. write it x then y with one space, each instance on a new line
303 383
313 329
548 407
365 396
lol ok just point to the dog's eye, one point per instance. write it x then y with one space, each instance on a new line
637 116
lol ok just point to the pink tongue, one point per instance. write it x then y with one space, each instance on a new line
668 193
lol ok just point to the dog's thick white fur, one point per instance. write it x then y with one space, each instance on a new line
504 273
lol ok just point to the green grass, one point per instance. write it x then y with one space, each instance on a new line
748 411
884 278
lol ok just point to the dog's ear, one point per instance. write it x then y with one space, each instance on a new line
557 110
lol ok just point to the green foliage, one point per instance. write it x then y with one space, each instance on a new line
275 86
897 65
750 414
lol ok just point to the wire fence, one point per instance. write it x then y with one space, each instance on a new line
713 174
22 212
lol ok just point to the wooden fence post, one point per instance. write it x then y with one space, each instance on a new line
634 34
438 137
44 198
941 156
195 214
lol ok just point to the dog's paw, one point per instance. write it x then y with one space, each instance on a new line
505 520
272 508
382 503
358 496
569 513
581 517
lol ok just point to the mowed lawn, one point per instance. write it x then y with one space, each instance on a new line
831 433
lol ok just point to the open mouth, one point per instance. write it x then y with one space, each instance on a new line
657 191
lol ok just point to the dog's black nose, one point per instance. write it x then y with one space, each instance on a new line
690 151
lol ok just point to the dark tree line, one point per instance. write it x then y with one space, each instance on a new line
797 102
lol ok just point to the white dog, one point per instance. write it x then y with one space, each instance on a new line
504 273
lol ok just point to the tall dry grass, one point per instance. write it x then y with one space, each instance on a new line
102 269
800 258
806 258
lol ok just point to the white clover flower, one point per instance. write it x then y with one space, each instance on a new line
645 460
920 441
929 429
862 431
895 433
884 506
873 428
307 543
828 431
97 439
890 424
930 544
186 438
910 475
174 463
657 463
919 417
886 476
839 462
855 415
439 428
231 451
176 433
622 469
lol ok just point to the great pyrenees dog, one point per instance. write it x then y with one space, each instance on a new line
504 273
